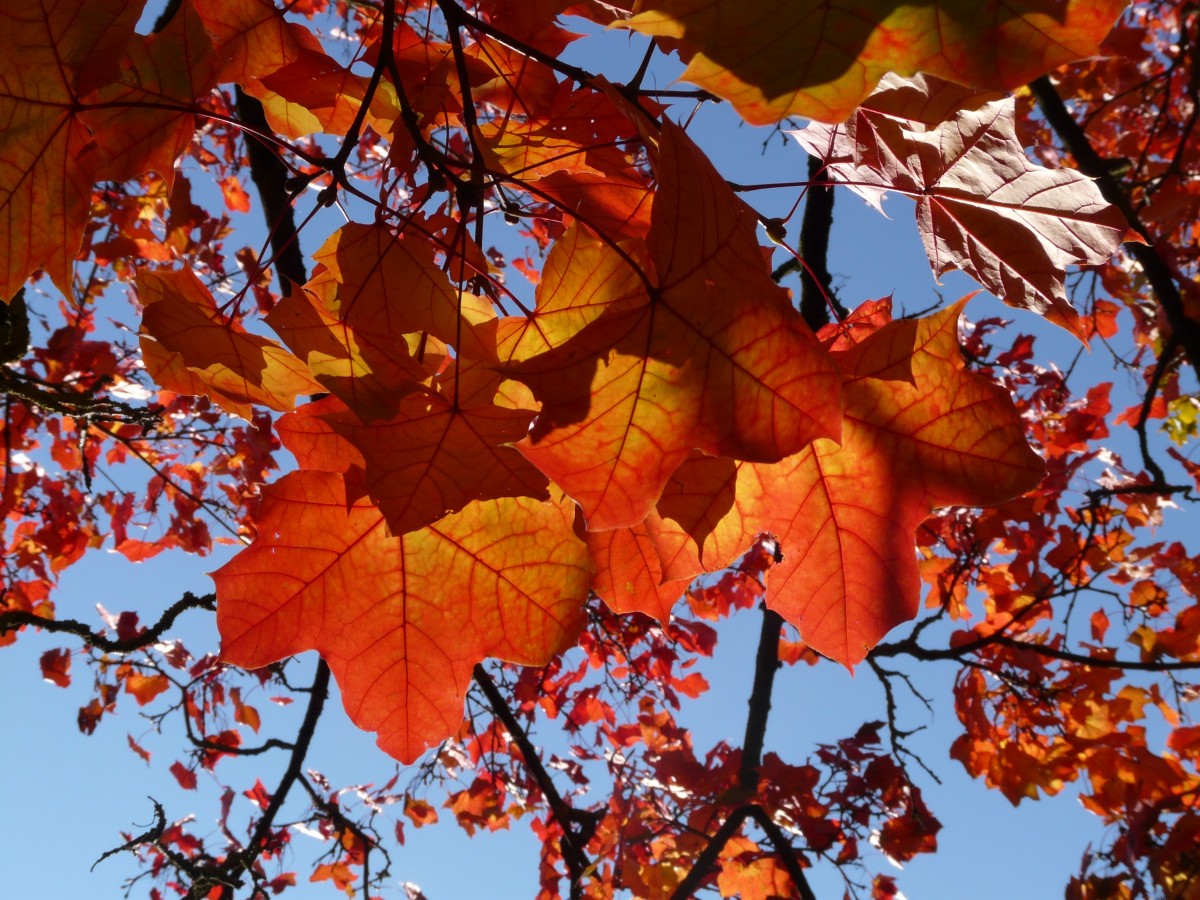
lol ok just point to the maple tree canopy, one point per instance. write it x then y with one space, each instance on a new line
550 403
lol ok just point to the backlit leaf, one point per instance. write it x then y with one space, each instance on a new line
371 289
844 516
191 349
66 51
144 123
401 621
252 38
582 277
982 206
629 574
56 667
820 58
434 456
714 357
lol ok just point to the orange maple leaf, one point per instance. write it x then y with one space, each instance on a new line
441 449
630 575
571 154
85 99
711 356
252 38
402 620
581 278
820 58
365 320
190 348
314 93
143 120
845 515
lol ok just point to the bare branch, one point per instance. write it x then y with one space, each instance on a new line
14 619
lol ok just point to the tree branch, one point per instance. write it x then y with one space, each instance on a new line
457 17
316 705
766 664
916 651
14 619
706 860
787 853
816 284
576 825
270 177
1162 281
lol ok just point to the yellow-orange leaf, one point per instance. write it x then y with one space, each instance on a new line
190 348
572 154
582 278
629 574
145 688
845 515
434 456
713 357
401 621
820 58
314 93
252 37
376 317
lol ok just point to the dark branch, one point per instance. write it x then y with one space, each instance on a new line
270 177
816 290
916 651
787 853
457 17
168 13
766 664
150 836
1092 661
316 705
706 860
14 619
1162 281
576 825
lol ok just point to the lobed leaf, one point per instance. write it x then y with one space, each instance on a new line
66 52
434 456
981 205
401 620
844 516
365 320
190 348
144 120
713 357
820 58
